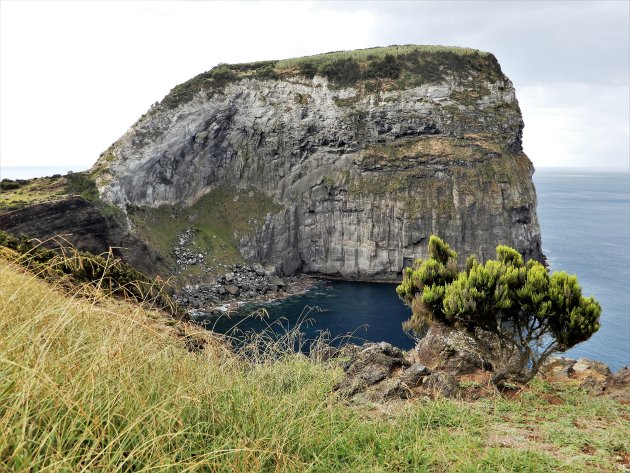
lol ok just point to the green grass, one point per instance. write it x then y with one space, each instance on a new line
216 217
391 67
32 191
101 385
370 54
54 188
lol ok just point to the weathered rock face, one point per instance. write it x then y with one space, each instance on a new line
360 175
78 222
448 350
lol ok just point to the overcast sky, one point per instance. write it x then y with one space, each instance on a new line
75 75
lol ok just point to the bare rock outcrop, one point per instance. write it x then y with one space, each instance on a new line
380 372
448 350
360 162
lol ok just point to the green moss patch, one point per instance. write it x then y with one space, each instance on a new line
218 219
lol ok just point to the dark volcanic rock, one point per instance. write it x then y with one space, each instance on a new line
240 282
617 385
83 225
442 384
559 367
379 372
414 375
371 364
390 389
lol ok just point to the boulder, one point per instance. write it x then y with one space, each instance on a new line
412 376
559 367
584 365
446 349
388 390
231 289
369 365
441 384
617 385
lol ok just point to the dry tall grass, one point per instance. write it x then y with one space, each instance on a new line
95 384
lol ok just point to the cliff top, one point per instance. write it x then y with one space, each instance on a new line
405 66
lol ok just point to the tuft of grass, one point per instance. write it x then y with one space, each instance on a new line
104 385
57 260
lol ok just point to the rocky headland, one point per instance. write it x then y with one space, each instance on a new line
337 165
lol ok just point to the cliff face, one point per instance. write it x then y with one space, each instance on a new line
361 157
78 222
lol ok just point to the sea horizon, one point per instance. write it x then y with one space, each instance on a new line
31 172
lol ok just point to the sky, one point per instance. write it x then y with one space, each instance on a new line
74 76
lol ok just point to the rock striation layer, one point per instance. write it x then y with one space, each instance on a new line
77 222
364 154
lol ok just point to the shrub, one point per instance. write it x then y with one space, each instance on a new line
308 69
222 74
9 184
342 72
266 72
387 68
81 184
517 314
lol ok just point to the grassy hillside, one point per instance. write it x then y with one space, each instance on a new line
92 384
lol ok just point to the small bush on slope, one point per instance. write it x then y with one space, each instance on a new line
517 314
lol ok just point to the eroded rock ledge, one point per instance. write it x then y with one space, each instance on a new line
380 372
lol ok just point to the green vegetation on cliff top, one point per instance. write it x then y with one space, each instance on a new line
100 385
403 66
18 193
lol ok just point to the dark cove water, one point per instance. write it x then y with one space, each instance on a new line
585 221
355 311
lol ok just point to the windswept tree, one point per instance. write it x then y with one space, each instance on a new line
517 314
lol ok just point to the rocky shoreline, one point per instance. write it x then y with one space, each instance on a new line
241 284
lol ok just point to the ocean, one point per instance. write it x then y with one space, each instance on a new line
585 221
29 172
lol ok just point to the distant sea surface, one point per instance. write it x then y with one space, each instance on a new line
585 222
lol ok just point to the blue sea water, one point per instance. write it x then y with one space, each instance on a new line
585 221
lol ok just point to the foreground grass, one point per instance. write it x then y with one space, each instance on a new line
98 385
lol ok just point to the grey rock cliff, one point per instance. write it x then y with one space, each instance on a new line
360 175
